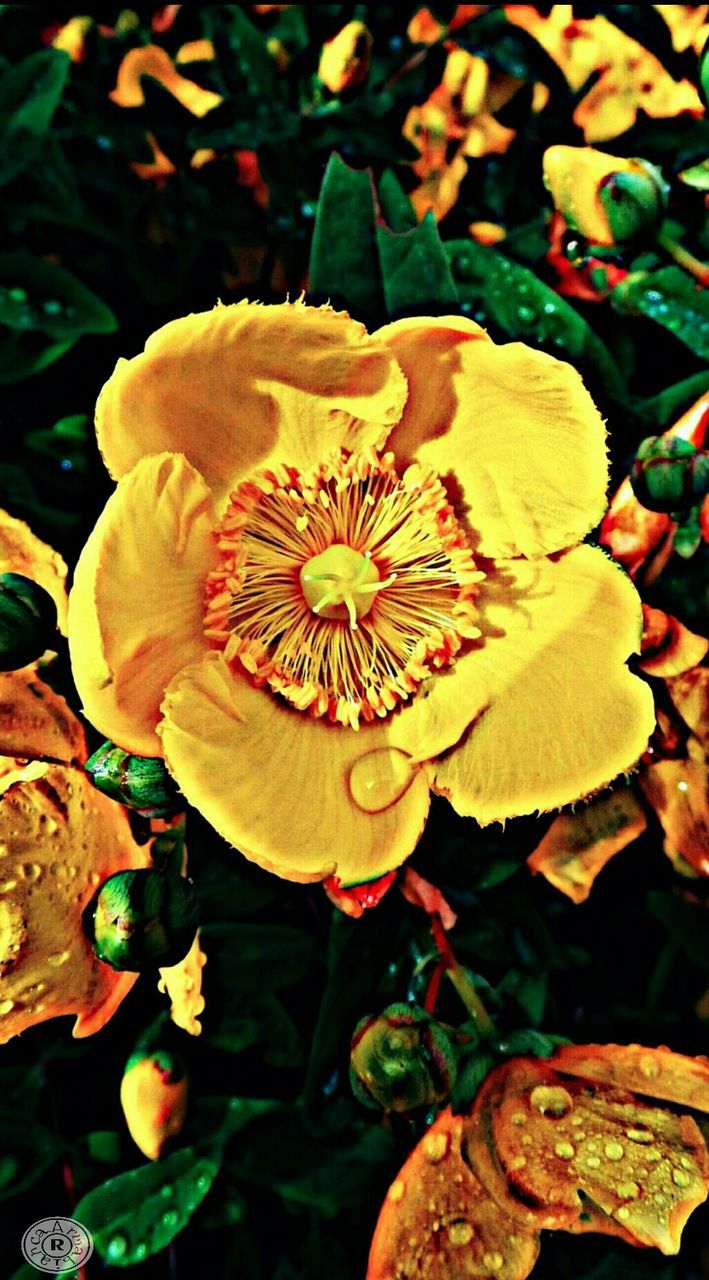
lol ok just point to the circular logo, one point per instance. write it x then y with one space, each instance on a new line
54 1245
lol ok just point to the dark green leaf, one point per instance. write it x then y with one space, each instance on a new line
415 269
511 295
397 209
672 299
29 95
345 1179
39 296
685 922
343 262
254 958
137 1214
662 409
262 1021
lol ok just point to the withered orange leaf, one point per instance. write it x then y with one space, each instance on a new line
578 845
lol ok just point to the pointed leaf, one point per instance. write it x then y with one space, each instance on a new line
416 272
344 266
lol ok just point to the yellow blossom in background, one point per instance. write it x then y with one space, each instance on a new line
459 112
21 551
344 61
330 637
150 60
688 23
630 76
575 1142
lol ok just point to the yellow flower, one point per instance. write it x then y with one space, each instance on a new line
150 60
459 112
630 77
281 599
344 61
608 199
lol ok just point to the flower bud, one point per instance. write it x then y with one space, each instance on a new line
401 1060
140 919
669 474
607 199
140 782
344 61
28 620
154 1099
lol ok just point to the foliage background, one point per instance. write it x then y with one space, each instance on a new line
288 976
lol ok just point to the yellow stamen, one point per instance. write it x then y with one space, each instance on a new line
342 588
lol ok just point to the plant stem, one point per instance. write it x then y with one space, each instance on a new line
683 258
460 980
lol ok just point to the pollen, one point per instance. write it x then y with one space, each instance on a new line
342 588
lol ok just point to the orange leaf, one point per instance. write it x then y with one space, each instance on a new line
438 1222
669 648
578 845
678 792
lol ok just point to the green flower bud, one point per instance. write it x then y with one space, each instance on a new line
140 919
635 200
704 75
28 621
139 782
669 474
401 1060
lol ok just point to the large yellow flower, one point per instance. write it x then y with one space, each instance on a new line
340 570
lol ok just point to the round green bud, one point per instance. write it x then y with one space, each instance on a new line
634 200
140 919
140 782
28 621
669 474
401 1060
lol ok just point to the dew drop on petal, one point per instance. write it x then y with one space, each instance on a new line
614 1151
680 1178
380 778
435 1146
493 1262
629 1190
564 1150
58 958
649 1067
396 1191
639 1135
6 1006
460 1233
551 1100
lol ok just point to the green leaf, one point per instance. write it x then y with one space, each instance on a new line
250 958
39 296
137 1214
259 1021
415 269
29 1148
16 362
397 209
345 1178
222 1117
672 298
29 95
477 1066
685 922
524 307
343 262
252 57
662 409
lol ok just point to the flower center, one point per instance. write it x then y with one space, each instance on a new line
341 583
344 587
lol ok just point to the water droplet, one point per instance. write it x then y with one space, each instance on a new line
639 1135
551 1100
519 1118
58 958
649 1067
564 1150
17 294
685 1162
550 308
396 1191
170 1218
526 314
203 1183
680 1178
519 1162
140 1252
380 778
167 1189
629 1190
460 1233
6 886
29 870
117 1246
653 1155
52 306
623 1213
593 1162
614 1151
493 1261
435 1146
6 1006
653 296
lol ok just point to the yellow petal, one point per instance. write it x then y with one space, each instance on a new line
656 1072
279 784
578 845
644 1167
135 616
151 60
678 791
247 386
35 722
183 984
439 1222
668 647
562 714
515 428
154 1102
60 840
21 551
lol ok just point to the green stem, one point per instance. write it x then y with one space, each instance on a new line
460 980
683 258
